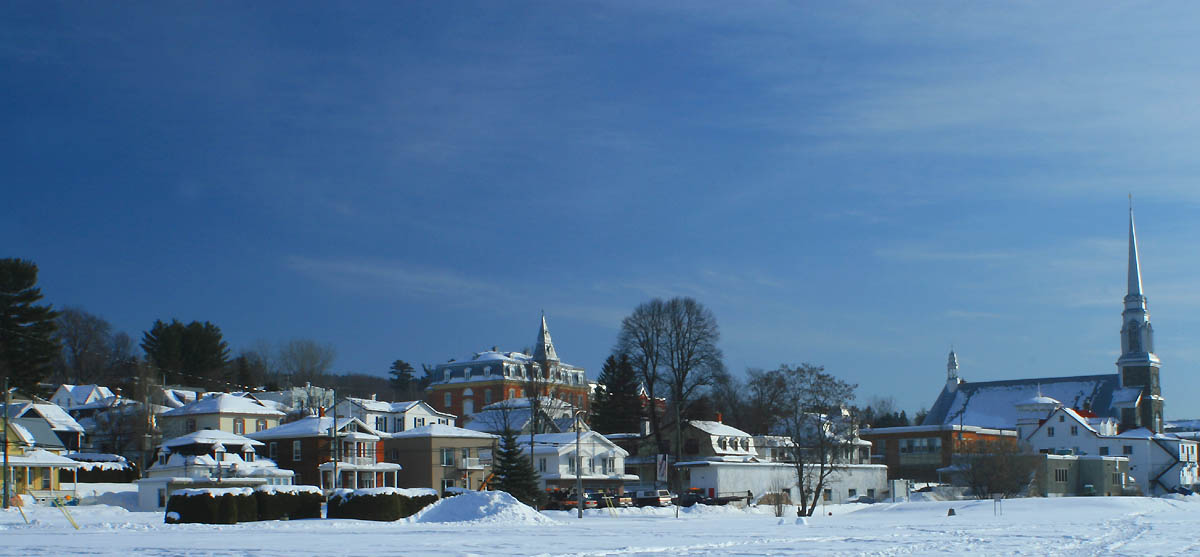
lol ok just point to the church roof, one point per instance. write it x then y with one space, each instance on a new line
993 403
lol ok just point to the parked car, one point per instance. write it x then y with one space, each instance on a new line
615 500
693 496
565 500
653 498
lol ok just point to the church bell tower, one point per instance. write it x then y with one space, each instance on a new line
1138 364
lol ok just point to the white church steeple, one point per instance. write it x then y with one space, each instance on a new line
952 379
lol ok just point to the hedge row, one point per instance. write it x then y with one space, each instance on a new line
242 504
383 504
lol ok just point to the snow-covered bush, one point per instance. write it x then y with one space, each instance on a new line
385 504
228 505
288 502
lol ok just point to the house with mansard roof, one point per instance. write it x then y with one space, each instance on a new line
220 411
462 388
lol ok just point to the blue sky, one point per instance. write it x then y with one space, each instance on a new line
857 185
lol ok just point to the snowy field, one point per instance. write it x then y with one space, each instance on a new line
1067 526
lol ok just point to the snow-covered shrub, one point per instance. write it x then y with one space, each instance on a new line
212 506
288 502
385 504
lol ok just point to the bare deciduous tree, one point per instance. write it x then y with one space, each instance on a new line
821 433
305 360
994 467
89 347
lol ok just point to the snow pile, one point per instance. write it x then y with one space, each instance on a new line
482 507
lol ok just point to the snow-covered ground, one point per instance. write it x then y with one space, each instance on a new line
1066 526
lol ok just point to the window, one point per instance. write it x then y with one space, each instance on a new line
447 400
1074 430
1103 451
612 464
162 457
273 450
399 423
827 495
1050 432
447 457
591 464
381 423
260 425
541 464
1062 418
487 396
248 456
395 453
418 422
239 426
296 450
466 453
46 478
1127 449
447 484
1060 475
571 464
512 393
871 493
191 425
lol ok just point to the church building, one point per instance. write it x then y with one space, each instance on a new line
1131 397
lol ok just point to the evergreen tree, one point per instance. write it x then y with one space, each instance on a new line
402 379
187 353
514 473
27 345
616 407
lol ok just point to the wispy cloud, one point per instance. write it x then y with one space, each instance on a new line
392 278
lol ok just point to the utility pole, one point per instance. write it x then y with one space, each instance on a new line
337 447
578 464
7 405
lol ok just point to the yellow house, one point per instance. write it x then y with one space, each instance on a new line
35 456
223 412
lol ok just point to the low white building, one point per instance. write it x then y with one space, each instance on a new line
722 479
71 396
554 459
1159 463
206 458
392 417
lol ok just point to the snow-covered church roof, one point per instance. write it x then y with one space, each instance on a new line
993 404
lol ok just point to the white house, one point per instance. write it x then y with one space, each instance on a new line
391 417
231 413
1158 462
206 458
554 458
70 396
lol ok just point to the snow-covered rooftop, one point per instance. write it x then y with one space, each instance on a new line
993 404
224 403
718 428
442 430
58 418
211 436
309 426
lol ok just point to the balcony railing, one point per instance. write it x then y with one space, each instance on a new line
469 464
359 460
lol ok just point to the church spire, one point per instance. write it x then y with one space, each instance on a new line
1135 269
544 349
952 379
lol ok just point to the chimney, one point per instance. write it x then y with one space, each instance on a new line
321 412
372 396
495 348
719 418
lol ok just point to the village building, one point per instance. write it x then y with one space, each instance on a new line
69 397
918 452
553 416
554 457
306 447
69 432
206 458
35 458
462 388
220 411
390 417
441 456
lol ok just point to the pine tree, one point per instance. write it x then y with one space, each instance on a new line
187 353
617 408
402 378
27 345
514 473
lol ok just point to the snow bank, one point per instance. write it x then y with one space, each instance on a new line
482 507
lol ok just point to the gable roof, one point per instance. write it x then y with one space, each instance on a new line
38 431
58 418
224 403
718 428
992 404
311 426
82 394
211 437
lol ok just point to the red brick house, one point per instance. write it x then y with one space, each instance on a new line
306 446
463 388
